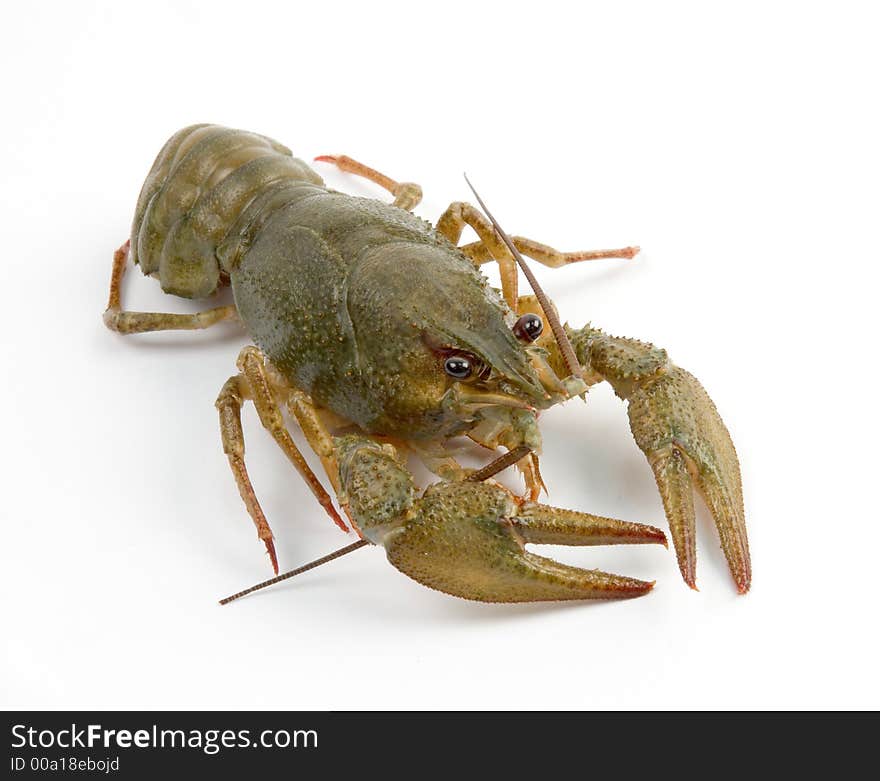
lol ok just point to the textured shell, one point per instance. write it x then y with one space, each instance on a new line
340 293
203 183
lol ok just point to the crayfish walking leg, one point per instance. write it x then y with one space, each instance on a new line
490 247
124 322
407 195
253 383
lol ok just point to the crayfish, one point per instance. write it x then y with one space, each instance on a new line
379 335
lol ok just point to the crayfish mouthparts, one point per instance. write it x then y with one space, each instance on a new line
475 399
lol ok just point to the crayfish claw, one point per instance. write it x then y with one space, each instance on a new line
545 525
725 502
687 444
467 539
676 491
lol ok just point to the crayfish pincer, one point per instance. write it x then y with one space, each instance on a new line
378 334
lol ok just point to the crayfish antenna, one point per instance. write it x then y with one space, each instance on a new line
500 464
568 354
298 571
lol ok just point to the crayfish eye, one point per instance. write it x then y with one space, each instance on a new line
459 366
528 328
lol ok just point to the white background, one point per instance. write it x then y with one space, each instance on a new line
737 146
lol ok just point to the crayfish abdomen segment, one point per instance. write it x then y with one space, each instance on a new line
203 180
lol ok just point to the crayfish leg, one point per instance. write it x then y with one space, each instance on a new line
125 322
489 247
229 404
254 383
407 195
